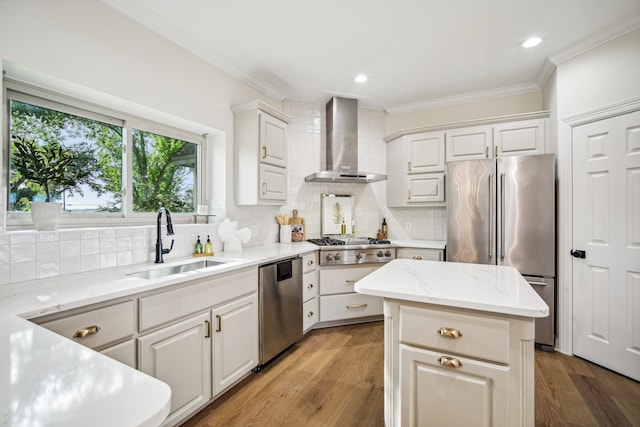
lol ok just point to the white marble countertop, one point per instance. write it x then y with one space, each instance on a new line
496 289
421 244
49 380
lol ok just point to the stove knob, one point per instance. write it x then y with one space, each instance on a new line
337 257
329 257
359 255
387 253
380 254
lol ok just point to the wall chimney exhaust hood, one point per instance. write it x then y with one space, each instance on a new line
342 146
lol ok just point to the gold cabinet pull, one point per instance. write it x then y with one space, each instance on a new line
449 332
85 332
218 323
496 151
310 286
264 188
348 281
449 362
357 306
409 195
309 314
207 325
310 262
418 257
408 166
264 152
486 151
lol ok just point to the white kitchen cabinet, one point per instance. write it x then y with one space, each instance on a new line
180 355
523 137
420 254
235 341
415 169
454 366
260 154
124 353
310 290
338 300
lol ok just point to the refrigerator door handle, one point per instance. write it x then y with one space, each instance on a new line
502 215
490 222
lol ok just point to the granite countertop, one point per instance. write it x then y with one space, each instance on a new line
490 288
51 380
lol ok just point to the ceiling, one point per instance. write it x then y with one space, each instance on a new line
416 53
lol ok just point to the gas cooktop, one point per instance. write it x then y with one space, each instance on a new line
348 240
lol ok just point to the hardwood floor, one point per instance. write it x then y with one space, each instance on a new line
334 377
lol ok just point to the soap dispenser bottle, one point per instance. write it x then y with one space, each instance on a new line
208 246
198 247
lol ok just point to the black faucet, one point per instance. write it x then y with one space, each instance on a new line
159 250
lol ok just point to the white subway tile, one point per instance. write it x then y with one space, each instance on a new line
89 247
70 265
69 248
23 252
47 269
21 271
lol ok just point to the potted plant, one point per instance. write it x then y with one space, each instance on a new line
53 168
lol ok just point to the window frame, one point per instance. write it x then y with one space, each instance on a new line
19 91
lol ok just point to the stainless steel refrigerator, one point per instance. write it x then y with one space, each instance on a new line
503 211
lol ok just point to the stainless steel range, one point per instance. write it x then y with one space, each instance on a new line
354 250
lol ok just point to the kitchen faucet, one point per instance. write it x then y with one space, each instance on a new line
159 250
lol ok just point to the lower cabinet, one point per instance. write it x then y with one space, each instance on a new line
180 355
420 254
124 353
235 341
339 301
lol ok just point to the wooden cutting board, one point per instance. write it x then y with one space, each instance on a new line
296 220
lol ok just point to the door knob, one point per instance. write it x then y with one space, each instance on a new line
578 254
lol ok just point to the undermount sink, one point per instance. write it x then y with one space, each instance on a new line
176 269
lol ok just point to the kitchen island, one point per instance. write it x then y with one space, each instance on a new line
459 343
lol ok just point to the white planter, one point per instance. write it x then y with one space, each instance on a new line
45 215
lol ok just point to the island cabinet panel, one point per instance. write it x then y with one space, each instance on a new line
474 394
420 254
457 366
477 336
124 353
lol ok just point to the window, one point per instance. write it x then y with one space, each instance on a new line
161 167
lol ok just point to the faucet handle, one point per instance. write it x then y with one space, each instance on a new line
166 251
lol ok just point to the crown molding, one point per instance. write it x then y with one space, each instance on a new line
595 40
464 98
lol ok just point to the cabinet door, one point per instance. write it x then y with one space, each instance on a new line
341 280
427 187
519 138
124 353
469 143
434 392
309 285
273 183
273 137
310 313
180 355
425 152
235 341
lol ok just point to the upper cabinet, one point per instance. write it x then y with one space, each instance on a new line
415 169
518 138
260 154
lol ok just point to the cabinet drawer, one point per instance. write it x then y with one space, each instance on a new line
341 280
309 285
309 262
115 322
349 306
123 353
420 254
164 307
482 337
310 314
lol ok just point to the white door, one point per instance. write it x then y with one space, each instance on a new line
606 225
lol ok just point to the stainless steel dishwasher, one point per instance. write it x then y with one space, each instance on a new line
280 307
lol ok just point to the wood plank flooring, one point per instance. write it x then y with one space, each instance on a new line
334 377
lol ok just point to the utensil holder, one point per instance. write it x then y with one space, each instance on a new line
285 233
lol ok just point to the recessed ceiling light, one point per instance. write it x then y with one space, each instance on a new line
533 41
361 78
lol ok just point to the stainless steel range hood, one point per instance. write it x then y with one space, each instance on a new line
342 146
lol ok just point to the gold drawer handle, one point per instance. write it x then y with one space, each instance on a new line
418 257
310 286
350 281
85 332
309 314
264 152
450 362
219 323
449 332
207 325
357 306
310 262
